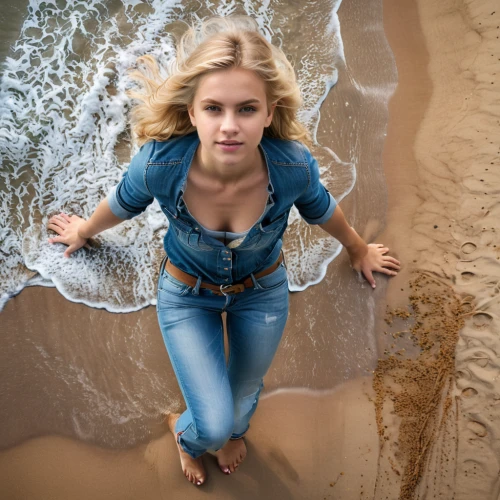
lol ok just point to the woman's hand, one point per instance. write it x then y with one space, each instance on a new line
66 227
374 260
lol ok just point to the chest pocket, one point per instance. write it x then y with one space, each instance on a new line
263 235
185 233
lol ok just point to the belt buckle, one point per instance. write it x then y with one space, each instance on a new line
232 289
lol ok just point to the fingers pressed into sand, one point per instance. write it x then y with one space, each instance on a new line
393 265
192 468
369 277
387 271
231 455
388 258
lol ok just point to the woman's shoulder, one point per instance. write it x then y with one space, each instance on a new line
285 151
172 150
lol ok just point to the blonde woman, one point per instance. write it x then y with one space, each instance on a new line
224 154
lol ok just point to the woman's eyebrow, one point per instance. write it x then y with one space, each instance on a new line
248 101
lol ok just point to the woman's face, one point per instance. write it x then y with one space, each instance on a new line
230 107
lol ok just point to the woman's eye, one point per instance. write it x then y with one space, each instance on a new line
245 109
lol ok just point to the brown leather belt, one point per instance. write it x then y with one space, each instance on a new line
187 279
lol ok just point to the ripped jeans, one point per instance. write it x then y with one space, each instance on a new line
220 399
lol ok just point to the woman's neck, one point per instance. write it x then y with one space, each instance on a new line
227 174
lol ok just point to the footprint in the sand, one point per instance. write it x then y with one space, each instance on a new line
469 392
463 374
468 247
467 276
471 343
480 358
477 428
481 320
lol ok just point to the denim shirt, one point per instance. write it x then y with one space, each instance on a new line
160 170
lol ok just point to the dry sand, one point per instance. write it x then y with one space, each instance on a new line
438 435
442 162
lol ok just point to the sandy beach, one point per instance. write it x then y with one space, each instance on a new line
410 412
441 170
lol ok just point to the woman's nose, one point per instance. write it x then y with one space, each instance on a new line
229 123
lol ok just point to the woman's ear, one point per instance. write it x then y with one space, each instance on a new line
270 115
190 109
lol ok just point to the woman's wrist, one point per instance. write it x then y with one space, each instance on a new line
353 240
82 232
356 246
357 251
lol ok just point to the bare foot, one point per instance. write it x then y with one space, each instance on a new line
192 467
231 455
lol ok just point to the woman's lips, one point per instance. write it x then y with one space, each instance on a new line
229 147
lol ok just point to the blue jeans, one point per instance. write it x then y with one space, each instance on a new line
220 399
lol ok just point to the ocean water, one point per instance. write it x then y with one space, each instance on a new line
65 139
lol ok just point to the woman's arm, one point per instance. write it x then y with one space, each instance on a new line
125 201
364 258
317 206
75 231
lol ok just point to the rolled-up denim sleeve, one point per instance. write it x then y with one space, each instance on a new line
131 196
315 205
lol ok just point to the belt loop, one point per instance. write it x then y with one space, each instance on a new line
162 265
284 261
196 289
254 281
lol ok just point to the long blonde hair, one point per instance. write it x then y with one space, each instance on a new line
214 44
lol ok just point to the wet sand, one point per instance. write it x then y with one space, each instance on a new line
440 162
